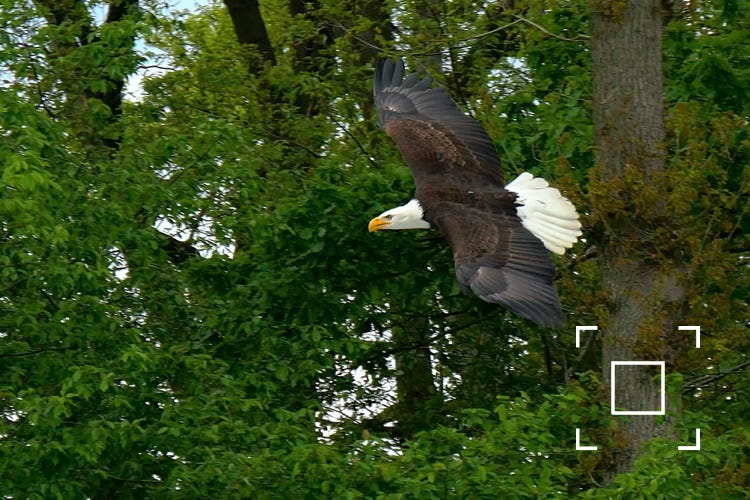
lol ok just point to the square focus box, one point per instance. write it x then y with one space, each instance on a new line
662 410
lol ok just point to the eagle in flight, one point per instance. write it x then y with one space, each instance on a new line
500 234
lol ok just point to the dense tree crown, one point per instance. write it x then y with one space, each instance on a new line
191 305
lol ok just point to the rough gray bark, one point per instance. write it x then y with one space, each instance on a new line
628 104
645 293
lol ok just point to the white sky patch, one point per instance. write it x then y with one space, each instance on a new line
118 265
201 238
379 394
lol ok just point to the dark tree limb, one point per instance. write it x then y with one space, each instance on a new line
76 86
178 251
251 30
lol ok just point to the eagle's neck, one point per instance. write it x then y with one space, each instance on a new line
411 216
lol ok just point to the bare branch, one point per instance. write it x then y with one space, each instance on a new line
581 37
710 378
38 351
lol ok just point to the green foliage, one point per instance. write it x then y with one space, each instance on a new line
720 469
191 306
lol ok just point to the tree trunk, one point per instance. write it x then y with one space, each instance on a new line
251 30
627 193
76 81
415 383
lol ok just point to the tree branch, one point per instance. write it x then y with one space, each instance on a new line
704 380
38 351
251 30
581 36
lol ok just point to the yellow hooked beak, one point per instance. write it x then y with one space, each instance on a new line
377 223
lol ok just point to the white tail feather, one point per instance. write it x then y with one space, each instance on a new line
546 213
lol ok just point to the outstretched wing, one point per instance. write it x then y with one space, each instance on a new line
438 140
503 263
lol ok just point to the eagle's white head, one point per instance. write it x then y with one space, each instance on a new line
409 216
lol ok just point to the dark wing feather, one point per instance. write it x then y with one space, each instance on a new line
503 263
440 143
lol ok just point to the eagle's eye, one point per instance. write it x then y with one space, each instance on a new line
388 217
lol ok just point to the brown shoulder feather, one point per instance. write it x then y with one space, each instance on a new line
431 130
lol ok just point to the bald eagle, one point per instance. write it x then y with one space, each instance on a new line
499 234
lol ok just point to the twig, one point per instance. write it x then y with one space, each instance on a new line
581 37
490 32
156 66
704 380
356 141
38 351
